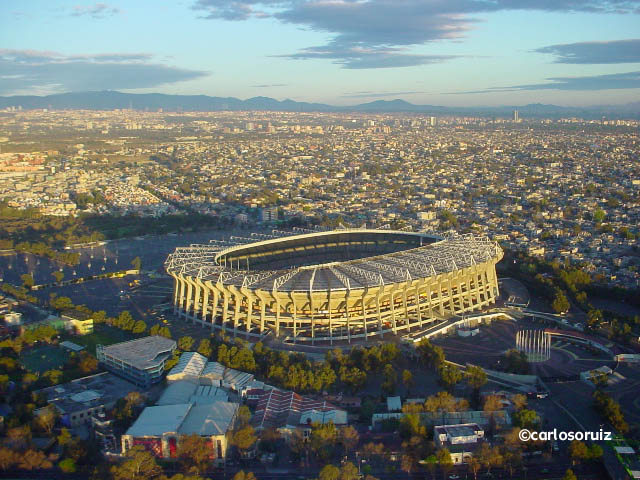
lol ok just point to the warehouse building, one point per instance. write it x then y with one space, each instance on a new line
185 409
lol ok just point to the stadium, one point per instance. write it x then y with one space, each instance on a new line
321 287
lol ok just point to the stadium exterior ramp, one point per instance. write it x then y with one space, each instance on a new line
333 286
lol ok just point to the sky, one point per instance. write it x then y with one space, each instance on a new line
341 52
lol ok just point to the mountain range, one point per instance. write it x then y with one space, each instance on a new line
109 100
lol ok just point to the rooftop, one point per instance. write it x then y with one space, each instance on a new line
88 392
158 420
184 391
76 314
278 408
190 364
141 353
209 419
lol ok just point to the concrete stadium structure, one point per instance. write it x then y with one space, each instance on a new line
326 286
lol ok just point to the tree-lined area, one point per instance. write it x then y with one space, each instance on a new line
27 230
561 284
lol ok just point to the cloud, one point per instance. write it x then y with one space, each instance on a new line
389 24
615 51
270 85
26 71
362 57
613 81
232 10
98 11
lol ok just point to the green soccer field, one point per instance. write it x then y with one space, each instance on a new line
43 358
102 335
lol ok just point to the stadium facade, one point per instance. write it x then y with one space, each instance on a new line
325 286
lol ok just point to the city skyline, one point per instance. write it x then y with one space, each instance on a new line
467 53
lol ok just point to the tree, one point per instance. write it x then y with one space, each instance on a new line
322 439
578 451
407 379
185 343
27 280
139 327
33 460
512 460
350 438
88 363
61 303
193 453
450 375
242 475
8 458
525 418
244 438
610 409
598 215
329 472
348 472
492 403
569 475
441 401
204 348
429 354
410 425
476 377
389 378
243 416
595 452
138 465
560 302
407 463
64 438
46 419
519 401
125 321
54 376
444 460
353 378
58 275
136 263
100 316
68 465
431 462
474 466
164 332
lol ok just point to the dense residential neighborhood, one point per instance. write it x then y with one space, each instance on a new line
114 366
541 186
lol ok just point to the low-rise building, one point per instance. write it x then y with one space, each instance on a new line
461 440
141 361
81 323
77 401
288 411
184 409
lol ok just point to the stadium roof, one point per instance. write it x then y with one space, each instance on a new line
416 260
141 353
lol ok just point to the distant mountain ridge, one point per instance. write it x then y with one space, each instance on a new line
109 100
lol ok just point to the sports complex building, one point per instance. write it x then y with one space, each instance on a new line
325 286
